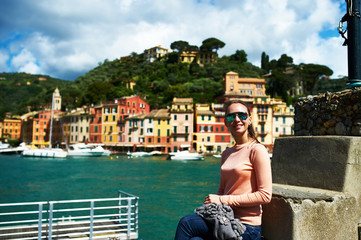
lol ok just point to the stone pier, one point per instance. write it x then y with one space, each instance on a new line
317 179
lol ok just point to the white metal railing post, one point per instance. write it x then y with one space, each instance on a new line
91 220
129 216
136 215
40 220
50 228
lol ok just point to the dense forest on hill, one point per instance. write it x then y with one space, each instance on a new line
158 82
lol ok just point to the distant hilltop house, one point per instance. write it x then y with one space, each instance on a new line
155 53
158 53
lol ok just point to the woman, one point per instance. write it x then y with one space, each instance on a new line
246 180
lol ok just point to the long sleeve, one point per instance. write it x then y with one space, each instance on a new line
246 181
262 170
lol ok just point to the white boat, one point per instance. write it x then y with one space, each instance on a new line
137 154
84 150
4 145
217 155
185 156
17 150
47 152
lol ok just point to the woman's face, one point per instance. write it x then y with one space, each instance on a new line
238 126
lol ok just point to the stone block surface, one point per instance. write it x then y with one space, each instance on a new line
325 162
300 213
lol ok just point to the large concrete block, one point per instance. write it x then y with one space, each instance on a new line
298 213
326 162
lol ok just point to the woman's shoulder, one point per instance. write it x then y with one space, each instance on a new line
258 149
257 146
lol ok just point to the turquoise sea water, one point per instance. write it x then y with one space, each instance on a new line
167 189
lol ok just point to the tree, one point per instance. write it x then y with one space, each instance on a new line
239 56
311 74
265 62
180 46
211 44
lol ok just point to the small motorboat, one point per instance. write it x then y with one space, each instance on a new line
16 150
138 154
84 150
185 156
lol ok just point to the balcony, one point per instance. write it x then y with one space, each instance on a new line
262 133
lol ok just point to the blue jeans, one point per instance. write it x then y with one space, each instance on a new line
195 228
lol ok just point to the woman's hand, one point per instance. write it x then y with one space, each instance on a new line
212 198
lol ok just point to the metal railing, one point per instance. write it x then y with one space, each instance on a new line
107 218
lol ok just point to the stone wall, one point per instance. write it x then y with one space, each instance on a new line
336 113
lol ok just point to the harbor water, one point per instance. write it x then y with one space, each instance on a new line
167 189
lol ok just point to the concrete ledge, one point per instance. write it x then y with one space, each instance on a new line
327 162
300 213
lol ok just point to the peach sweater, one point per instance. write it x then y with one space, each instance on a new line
246 181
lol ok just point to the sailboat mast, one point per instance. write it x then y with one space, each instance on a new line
51 120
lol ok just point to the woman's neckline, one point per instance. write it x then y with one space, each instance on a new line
240 146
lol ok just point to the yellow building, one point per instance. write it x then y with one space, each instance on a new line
200 57
188 56
162 130
109 123
204 137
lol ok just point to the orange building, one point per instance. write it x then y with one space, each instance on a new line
253 92
12 128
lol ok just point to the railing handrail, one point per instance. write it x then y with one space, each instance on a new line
118 216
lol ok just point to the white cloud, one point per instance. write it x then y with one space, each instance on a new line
74 35
25 62
4 57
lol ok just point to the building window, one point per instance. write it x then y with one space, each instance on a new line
186 128
186 117
175 129
175 117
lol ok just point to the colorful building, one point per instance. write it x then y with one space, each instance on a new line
11 127
253 92
155 53
95 125
110 118
203 137
76 124
221 134
283 120
162 131
182 115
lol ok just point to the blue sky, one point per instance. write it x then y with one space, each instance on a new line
67 38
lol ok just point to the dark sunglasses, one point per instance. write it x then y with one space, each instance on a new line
231 116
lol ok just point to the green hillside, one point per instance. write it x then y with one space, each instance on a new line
19 90
158 82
